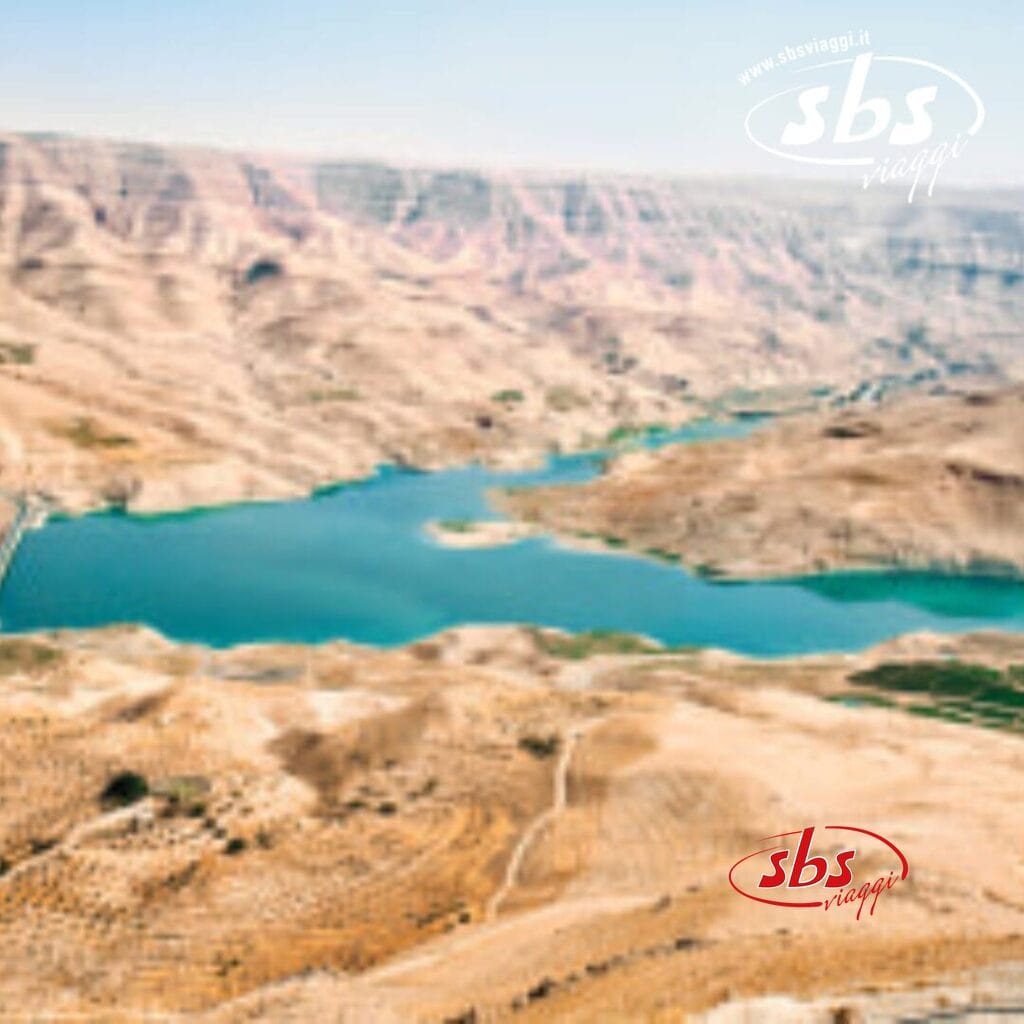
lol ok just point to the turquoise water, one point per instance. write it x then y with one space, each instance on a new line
354 563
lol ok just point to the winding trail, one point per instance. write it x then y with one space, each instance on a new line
538 824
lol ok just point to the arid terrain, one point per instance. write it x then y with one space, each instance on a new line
491 824
183 327
933 483
507 823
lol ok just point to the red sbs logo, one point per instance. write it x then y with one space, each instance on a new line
782 876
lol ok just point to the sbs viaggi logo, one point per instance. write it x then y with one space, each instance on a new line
894 118
849 867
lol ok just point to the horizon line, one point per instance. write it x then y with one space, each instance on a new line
303 155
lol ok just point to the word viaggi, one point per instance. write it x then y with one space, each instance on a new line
783 877
898 119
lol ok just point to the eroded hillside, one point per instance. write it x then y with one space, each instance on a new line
181 326
483 826
934 483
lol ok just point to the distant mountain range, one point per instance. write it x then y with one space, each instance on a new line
183 326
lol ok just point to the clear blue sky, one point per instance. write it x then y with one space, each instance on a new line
632 86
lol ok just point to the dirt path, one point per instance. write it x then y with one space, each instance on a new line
538 824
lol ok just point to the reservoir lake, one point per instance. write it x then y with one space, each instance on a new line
355 563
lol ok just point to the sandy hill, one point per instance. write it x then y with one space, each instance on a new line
479 827
181 326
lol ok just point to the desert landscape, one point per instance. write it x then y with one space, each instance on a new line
184 327
491 824
496 822
932 483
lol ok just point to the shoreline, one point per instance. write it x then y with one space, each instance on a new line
537 458
726 576
476 534
30 513
932 635
845 582
915 644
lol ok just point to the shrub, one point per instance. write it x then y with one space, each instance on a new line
851 429
185 794
620 434
663 554
708 570
594 641
85 432
124 789
14 354
19 655
540 746
508 396
263 270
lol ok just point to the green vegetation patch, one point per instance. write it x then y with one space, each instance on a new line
624 434
663 555
509 396
19 655
184 795
952 690
16 354
708 571
577 646
939 678
457 525
861 700
85 432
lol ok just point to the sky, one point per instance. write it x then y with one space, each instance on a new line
642 86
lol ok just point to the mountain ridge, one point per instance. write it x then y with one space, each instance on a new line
183 326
